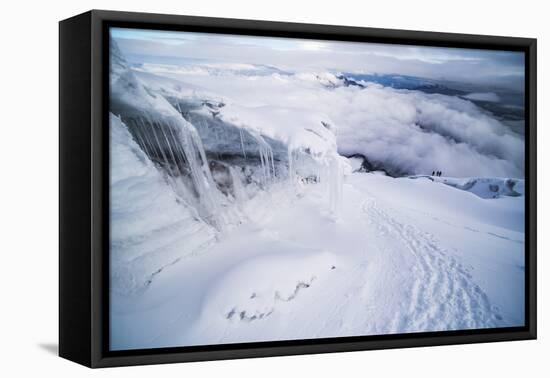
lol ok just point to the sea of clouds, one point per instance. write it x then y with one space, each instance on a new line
417 133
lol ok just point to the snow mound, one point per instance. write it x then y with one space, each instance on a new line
255 289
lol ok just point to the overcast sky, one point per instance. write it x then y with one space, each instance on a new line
486 67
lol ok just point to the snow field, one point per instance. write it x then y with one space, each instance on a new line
294 272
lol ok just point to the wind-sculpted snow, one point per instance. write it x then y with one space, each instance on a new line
258 293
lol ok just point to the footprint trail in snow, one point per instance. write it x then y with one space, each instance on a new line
442 292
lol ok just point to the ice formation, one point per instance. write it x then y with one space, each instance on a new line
150 228
215 155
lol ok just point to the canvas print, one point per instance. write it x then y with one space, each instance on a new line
268 189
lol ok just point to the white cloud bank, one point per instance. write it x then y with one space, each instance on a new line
417 133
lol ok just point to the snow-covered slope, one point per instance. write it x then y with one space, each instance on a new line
405 256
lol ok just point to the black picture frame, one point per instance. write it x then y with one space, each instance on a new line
84 190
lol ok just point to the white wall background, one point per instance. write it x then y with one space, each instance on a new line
29 189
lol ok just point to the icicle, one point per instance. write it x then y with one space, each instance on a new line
145 131
265 152
202 177
238 188
290 164
291 168
141 142
176 143
167 162
272 161
172 153
266 158
242 142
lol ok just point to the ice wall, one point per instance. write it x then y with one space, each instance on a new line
150 227
167 138
182 130
284 141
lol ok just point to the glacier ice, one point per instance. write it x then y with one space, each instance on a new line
168 139
206 157
150 229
